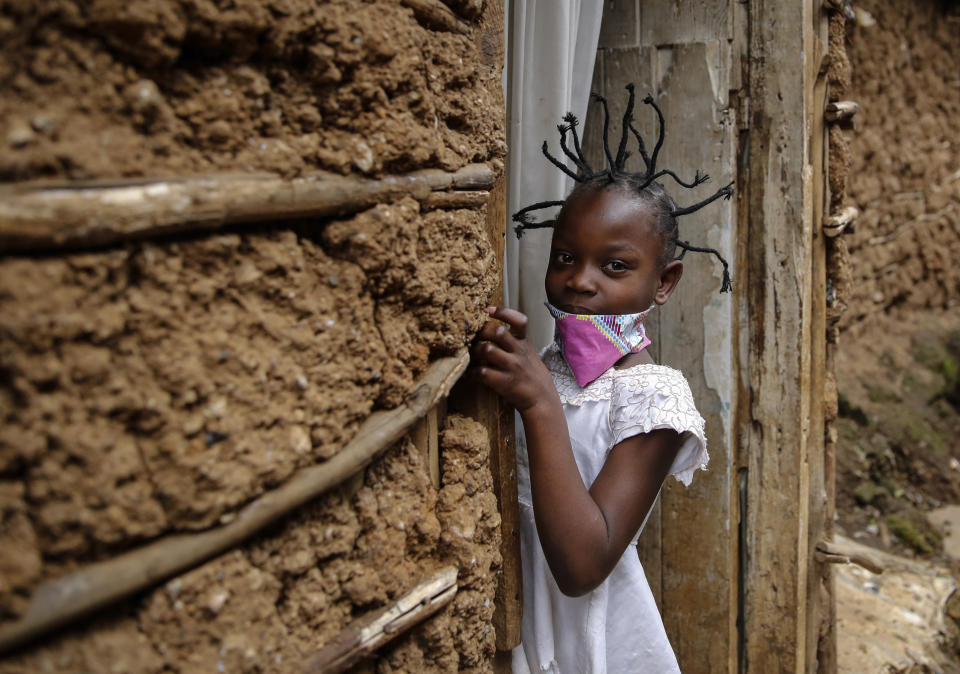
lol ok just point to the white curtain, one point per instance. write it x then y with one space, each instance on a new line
552 45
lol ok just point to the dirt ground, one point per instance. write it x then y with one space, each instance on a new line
157 387
899 349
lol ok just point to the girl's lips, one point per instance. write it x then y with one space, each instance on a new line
570 309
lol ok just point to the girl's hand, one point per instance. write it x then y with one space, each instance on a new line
509 364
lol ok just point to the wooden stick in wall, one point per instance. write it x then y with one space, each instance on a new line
838 222
369 633
845 7
437 15
841 110
66 599
42 215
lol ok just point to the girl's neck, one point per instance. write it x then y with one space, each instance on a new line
631 359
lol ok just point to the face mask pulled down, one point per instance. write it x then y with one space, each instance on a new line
593 343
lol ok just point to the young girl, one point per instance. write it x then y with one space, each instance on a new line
603 424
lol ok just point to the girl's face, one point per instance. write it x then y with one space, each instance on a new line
604 257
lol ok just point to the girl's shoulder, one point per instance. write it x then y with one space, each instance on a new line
641 398
638 380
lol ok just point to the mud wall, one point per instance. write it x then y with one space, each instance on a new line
154 388
905 176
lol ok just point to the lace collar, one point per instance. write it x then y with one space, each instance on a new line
600 388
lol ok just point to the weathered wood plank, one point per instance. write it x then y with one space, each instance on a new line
684 21
697 328
492 412
498 418
681 574
621 24
426 437
820 617
777 433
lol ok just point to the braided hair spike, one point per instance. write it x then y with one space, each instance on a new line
725 284
725 192
622 153
559 164
606 131
581 161
661 132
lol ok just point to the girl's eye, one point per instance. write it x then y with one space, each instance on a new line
563 258
616 266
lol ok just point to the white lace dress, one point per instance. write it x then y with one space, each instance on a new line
615 628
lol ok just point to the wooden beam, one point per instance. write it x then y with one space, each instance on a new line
483 404
42 215
66 599
696 334
781 443
819 587
497 417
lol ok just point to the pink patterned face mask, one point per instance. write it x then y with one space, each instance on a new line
593 343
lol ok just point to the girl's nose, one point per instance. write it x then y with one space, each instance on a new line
581 281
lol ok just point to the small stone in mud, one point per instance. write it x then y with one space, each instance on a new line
144 97
300 440
193 425
217 602
333 280
46 124
173 588
217 408
364 158
213 437
302 383
219 131
20 135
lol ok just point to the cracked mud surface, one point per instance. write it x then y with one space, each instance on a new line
896 365
168 87
272 605
905 176
158 387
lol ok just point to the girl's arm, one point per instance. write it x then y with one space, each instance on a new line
583 532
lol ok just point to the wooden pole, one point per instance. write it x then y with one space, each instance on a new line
783 280
41 215
362 637
66 599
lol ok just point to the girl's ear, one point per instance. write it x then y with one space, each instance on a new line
669 278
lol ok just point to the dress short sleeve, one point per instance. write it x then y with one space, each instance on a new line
645 398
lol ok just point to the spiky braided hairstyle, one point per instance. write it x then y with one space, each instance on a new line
641 185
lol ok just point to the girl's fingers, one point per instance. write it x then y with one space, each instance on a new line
488 353
499 334
515 319
495 379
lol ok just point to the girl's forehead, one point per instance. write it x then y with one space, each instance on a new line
606 211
